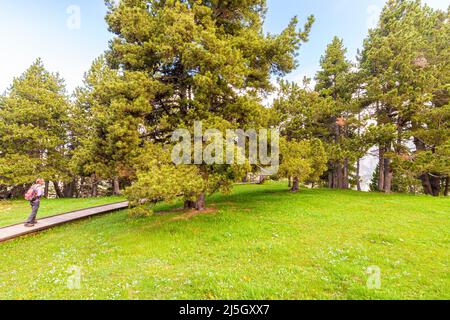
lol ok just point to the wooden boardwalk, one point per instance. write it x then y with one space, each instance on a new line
18 230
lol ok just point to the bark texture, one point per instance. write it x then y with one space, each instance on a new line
295 185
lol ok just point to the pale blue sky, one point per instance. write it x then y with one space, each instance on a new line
31 29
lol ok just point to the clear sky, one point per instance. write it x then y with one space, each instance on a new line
51 29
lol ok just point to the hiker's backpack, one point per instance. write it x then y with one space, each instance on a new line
31 194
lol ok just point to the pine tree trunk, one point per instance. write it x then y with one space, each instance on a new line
199 204
189 204
47 185
388 182
381 170
447 182
345 178
80 191
295 185
340 176
116 186
425 178
58 191
94 187
330 179
388 176
69 188
435 185
358 175
94 190
332 176
335 179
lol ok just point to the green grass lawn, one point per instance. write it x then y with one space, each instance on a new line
12 212
262 243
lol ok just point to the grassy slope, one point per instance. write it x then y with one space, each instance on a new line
262 243
12 212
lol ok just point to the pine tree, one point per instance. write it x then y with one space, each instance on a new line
303 161
34 125
198 61
110 110
303 114
335 81
403 60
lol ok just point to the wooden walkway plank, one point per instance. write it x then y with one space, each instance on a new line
18 230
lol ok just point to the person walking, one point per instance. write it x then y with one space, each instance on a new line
34 195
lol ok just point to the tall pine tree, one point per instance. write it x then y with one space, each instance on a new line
403 62
34 125
334 81
198 61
